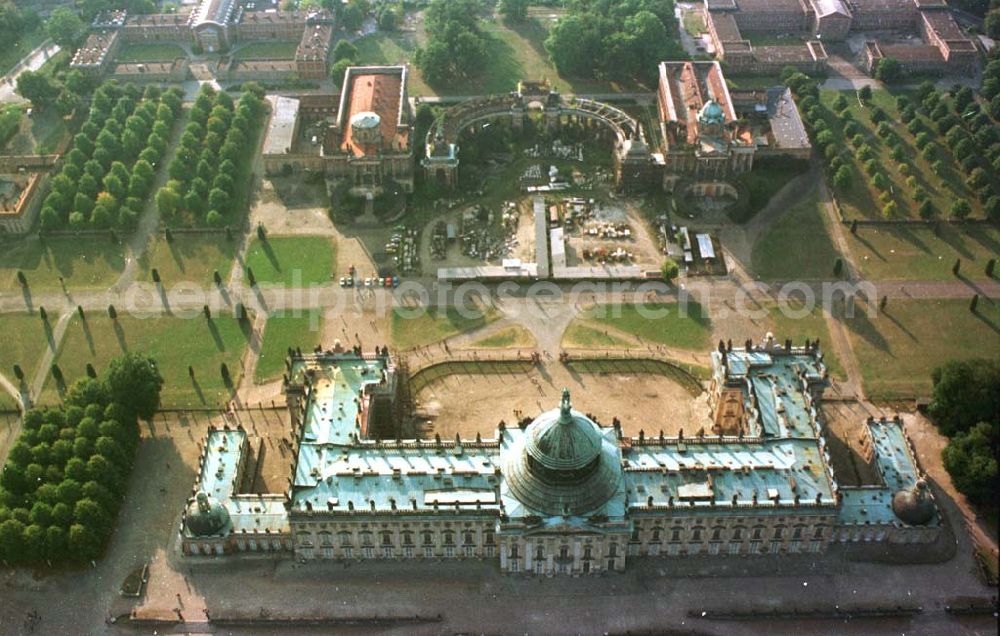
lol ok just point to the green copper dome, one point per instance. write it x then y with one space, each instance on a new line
565 465
563 439
206 517
712 113
914 506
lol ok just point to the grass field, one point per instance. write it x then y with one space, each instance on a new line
281 333
88 263
917 253
580 333
899 348
861 199
797 246
27 346
174 343
434 325
666 324
507 338
811 326
266 51
693 21
150 53
13 52
292 260
190 259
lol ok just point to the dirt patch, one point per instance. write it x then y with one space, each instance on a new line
468 403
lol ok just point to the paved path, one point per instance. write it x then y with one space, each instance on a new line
31 62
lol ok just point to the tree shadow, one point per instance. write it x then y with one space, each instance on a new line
862 326
982 235
26 294
224 293
871 248
49 336
175 254
905 234
900 325
88 335
120 335
216 336
197 390
953 237
164 300
269 252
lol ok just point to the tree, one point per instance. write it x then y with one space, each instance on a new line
345 50
970 459
167 202
669 269
135 382
865 93
352 17
64 27
37 88
515 10
965 392
992 208
843 177
960 209
888 70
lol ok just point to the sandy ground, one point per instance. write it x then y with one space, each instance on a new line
525 249
642 245
467 404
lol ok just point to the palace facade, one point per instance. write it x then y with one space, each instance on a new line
564 494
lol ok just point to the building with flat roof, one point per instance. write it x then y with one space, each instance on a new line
562 493
733 24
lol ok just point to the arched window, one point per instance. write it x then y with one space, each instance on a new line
675 533
366 538
325 538
345 538
539 553
613 550
779 532
656 534
758 532
818 532
467 538
449 537
407 537
717 533
696 533
428 537
386 537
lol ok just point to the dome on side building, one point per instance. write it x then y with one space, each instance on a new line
206 517
914 506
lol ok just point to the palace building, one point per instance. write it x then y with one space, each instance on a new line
563 494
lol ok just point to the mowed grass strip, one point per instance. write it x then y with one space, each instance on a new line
292 261
899 348
507 338
174 342
919 253
419 327
797 246
190 259
671 324
92 262
24 341
284 331
579 333
150 53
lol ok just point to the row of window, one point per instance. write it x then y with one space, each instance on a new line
737 533
390 552
406 538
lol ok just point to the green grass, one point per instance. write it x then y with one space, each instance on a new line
861 199
435 324
811 326
25 344
88 263
693 21
917 253
13 52
292 260
797 246
190 258
173 342
282 332
162 52
267 51
580 334
10 121
899 348
762 183
392 48
668 324
515 337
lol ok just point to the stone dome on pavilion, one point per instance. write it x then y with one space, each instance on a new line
914 506
206 517
566 465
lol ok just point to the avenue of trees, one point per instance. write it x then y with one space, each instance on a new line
67 473
214 148
108 171
614 39
966 408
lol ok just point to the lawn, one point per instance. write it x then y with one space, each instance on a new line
13 52
811 326
899 348
861 199
693 21
162 52
292 261
282 332
190 258
917 253
173 342
797 246
515 337
581 334
266 51
84 263
393 48
667 324
27 346
762 183
434 324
